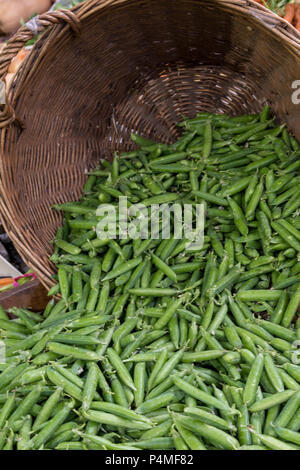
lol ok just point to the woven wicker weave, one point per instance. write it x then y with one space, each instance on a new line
111 66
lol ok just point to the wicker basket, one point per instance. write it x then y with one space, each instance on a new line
111 66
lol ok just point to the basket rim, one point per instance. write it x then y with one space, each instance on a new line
55 26
61 20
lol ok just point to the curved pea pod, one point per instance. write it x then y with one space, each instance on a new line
232 357
279 310
253 380
293 370
278 330
119 410
218 319
209 418
168 367
162 266
76 285
25 406
271 401
7 409
11 325
270 416
7 441
288 381
244 434
281 345
287 434
208 315
202 356
219 201
261 163
49 429
237 187
210 433
254 201
75 352
239 217
111 419
288 411
273 374
170 158
159 443
47 408
140 380
95 274
236 312
292 205
210 274
121 369
233 336
59 380
153 292
170 311
123 268
68 247
103 298
193 442
224 283
258 295
272 443
100 443
161 360
294 424
90 386
286 235
291 309
190 316
24 442
160 401
208 140
261 261
200 395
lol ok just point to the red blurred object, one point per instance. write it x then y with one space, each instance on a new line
290 12
15 280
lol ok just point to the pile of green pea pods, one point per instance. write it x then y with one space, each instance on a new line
150 345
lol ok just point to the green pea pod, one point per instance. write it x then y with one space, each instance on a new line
271 401
273 443
210 433
120 368
253 380
47 432
291 309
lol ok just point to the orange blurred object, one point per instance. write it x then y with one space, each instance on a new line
290 12
8 79
17 61
15 64
6 281
297 17
13 11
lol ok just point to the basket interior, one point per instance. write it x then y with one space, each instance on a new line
136 66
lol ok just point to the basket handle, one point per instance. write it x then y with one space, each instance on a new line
18 41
